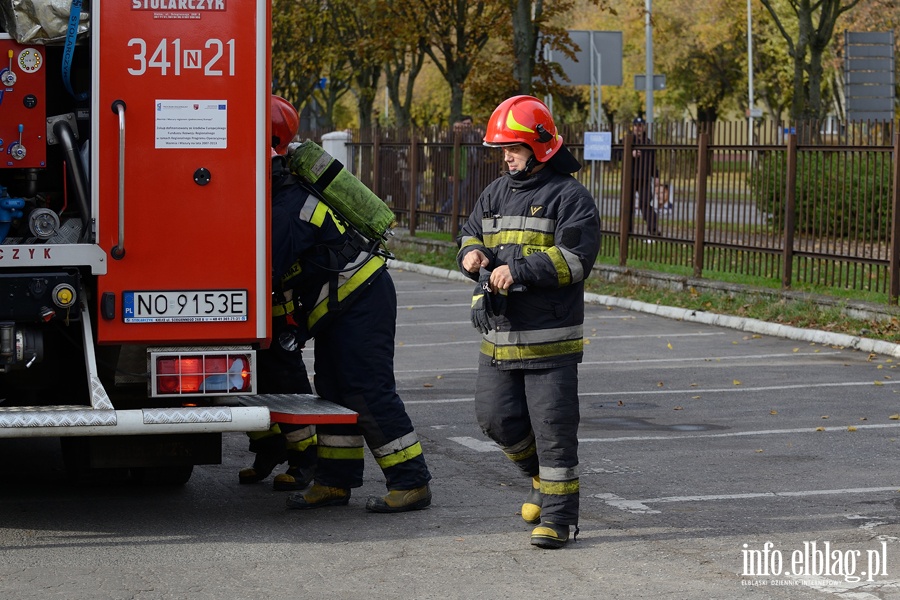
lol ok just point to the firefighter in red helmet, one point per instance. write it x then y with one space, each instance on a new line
280 366
343 296
531 241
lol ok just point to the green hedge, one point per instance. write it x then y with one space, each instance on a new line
839 194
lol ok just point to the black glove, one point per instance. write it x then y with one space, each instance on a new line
481 302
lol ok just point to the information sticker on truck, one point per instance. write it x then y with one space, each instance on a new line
184 306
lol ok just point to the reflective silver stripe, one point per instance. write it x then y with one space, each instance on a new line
521 446
574 264
537 336
396 445
309 207
559 473
341 441
518 222
352 267
300 434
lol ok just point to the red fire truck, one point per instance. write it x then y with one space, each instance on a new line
134 246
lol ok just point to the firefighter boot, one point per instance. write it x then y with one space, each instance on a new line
531 508
400 500
270 452
291 480
319 496
264 464
551 536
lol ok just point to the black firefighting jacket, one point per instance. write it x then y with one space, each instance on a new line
547 229
319 265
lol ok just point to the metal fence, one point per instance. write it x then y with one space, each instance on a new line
813 204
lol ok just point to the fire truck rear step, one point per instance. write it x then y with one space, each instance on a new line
301 409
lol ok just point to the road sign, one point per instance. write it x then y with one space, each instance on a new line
659 82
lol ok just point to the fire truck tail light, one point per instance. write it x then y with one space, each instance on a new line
211 372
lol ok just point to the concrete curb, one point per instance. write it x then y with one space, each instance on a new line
817 336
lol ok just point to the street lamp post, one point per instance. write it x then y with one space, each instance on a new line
750 72
648 79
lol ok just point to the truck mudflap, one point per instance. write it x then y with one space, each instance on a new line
254 413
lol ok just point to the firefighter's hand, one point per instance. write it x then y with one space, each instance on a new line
501 279
474 261
481 303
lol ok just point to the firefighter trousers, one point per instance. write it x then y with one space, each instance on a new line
280 370
354 367
533 415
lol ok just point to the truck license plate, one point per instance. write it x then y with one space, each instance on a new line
185 306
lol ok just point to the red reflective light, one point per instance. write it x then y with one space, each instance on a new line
216 364
199 374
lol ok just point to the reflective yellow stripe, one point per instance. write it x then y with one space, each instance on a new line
515 125
469 241
519 236
261 435
301 446
355 281
563 274
305 440
340 453
527 441
517 456
533 351
279 310
318 217
559 488
396 458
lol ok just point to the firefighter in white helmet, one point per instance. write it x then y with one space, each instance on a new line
530 241
344 298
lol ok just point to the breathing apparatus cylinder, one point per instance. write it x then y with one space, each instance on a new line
342 191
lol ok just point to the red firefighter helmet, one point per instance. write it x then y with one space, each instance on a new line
285 124
524 120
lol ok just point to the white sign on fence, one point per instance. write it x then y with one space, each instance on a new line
597 145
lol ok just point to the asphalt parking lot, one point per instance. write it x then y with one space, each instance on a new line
715 463
721 461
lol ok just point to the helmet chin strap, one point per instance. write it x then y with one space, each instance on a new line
525 173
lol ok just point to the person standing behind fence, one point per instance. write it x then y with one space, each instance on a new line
643 172
458 177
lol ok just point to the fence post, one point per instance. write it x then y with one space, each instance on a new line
627 200
413 180
376 161
894 266
700 206
456 168
790 215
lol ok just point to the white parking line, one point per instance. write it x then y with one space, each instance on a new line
737 390
476 445
481 446
688 436
707 358
686 360
442 305
640 506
